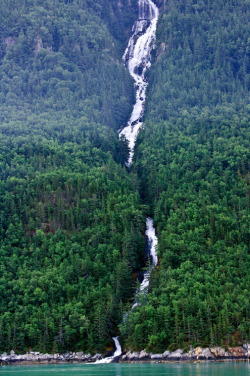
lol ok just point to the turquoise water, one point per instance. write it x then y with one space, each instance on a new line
206 369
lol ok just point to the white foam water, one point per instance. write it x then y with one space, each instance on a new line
137 60
152 244
117 352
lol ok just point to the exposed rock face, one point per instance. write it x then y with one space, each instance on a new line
219 352
237 352
166 354
197 354
176 355
9 41
133 356
36 357
96 357
205 354
198 350
160 50
144 355
246 346
157 356
39 45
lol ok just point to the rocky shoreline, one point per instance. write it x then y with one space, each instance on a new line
198 354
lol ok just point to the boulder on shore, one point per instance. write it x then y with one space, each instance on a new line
133 356
144 355
166 354
237 352
219 352
95 357
156 356
212 354
176 355
206 355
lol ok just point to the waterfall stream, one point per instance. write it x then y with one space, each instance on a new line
137 60
152 242
117 352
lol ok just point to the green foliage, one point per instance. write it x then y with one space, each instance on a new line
71 220
61 58
202 58
193 163
71 234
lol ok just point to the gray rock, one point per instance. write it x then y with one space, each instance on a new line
46 356
166 354
3 356
143 354
191 355
9 41
12 353
176 355
219 352
133 356
207 354
86 356
116 359
237 352
246 346
39 45
186 356
96 357
156 356
124 357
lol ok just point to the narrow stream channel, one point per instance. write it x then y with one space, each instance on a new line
137 59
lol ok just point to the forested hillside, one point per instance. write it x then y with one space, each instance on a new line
72 218
193 164
72 222
61 60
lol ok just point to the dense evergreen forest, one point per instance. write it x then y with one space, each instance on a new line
193 164
73 218
72 222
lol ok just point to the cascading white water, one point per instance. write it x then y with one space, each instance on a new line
152 244
117 352
152 240
137 60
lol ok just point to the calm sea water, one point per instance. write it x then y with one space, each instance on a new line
207 369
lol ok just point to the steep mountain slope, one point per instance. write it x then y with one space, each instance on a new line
63 59
71 219
193 163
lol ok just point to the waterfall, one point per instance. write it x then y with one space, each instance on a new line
137 60
152 242
117 352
